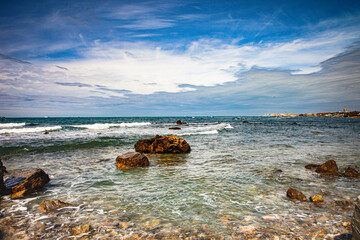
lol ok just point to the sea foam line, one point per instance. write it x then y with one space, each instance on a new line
29 130
11 125
97 126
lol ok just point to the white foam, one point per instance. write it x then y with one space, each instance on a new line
11 125
199 133
29 130
98 126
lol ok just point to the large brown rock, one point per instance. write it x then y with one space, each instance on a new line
328 168
131 160
295 194
351 173
26 182
48 205
165 144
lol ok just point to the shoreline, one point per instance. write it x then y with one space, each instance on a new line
352 114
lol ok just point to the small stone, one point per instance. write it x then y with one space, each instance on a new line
49 205
312 166
295 194
351 173
343 203
318 199
346 224
81 229
131 160
248 229
125 225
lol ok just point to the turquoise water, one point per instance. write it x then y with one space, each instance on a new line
229 172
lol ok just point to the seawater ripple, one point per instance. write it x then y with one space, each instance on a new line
229 174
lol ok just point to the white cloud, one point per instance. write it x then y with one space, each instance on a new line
144 68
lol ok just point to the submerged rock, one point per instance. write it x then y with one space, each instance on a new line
26 182
48 205
312 166
318 199
165 144
175 128
295 194
351 173
328 168
81 229
132 160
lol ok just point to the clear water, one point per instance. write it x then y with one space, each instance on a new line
229 172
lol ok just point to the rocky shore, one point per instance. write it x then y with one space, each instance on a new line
313 215
353 114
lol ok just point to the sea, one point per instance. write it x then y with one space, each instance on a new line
232 182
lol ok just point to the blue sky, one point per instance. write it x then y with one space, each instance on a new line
156 58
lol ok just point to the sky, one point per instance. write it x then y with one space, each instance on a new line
178 58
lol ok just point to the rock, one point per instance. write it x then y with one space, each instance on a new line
125 225
178 122
245 121
295 194
351 173
276 171
312 166
81 229
26 182
46 132
318 199
329 169
3 190
343 203
131 160
165 144
48 205
175 128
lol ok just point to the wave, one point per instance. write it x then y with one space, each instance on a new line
98 126
11 125
199 133
29 130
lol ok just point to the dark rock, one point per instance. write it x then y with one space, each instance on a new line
46 132
312 166
175 128
26 182
329 169
165 144
295 194
351 173
48 205
343 203
131 160
3 189
245 121
179 122
4 170
277 171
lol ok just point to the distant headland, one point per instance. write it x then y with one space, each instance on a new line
341 114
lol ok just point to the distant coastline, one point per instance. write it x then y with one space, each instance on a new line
344 114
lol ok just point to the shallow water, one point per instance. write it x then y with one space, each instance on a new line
229 172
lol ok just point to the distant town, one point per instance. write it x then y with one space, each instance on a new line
341 114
